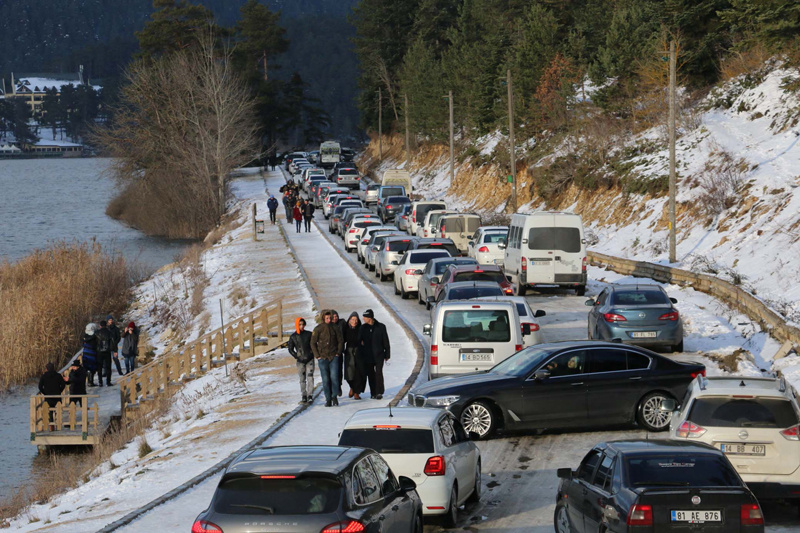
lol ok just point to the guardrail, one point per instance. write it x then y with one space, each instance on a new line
735 296
70 421
259 331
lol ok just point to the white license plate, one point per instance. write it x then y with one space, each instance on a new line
541 263
644 334
735 448
696 517
476 357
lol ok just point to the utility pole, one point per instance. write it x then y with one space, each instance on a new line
380 125
511 141
452 151
408 144
672 178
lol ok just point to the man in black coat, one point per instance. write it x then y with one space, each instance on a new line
105 341
51 384
272 206
308 214
376 349
76 381
299 347
116 336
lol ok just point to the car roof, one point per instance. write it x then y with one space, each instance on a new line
400 237
428 240
296 459
739 386
458 269
459 260
471 303
487 229
635 287
407 417
463 284
657 446
507 298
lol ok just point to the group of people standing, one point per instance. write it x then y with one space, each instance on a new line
345 350
297 209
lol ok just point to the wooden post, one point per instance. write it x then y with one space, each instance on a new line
207 342
241 339
252 336
279 311
264 322
85 415
33 416
72 412
59 416
255 214
672 177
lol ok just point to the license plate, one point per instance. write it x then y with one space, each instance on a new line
735 448
476 357
696 517
643 334
541 263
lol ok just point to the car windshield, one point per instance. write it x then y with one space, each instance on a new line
680 469
475 325
494 238
473 292
639 298
522 363
743 413
389 440
495 276
255 495
424 257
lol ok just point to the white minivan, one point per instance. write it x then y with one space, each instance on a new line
419 211
546 248
459 227
471 336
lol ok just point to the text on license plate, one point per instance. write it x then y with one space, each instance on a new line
476 357
643 334
541 263
743 449
696 517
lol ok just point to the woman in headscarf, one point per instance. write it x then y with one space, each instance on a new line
353 371
89 355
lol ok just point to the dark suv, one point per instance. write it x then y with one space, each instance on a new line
312 489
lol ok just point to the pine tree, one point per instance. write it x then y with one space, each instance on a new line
174 26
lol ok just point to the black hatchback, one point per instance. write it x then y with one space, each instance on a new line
649 485
312 489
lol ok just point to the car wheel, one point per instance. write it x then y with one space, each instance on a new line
403 294
451 518
649 414
417 525
581 290
396 290
381 276
561 519
419 298
678 347
478 418
520 289
371 267
475 497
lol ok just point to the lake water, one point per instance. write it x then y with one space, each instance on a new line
42 201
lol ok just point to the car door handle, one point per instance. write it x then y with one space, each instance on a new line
395 507
635 378
576 384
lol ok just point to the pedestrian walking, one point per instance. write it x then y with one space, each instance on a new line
76 381
327 345
104 345
89 352
300 348
354 369
272 206
51 383
116 336
308 214
287 205
130 346
297 214
339 323
374 343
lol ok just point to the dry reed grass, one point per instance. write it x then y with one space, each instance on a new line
47 298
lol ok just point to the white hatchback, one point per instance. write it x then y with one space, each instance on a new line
487 245
427 445
409 270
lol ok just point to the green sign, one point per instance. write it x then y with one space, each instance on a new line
510 178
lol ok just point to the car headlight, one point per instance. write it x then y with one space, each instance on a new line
441 401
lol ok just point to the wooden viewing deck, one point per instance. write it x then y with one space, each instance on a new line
73 420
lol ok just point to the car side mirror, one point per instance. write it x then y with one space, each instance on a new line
589 303
418 272
435 280
539 313
526 329
669 405
564 473
673 300
406 484
539 375
394 263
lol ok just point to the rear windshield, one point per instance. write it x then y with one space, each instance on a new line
639 298
373 187
743 413
389 441
476 325
392 191
253 495
348 172
493 238
399 245
424 257
462 224
474 292
497 277
683 469
434 221
449 247
398 200
442 265
365 223
564 239
422 210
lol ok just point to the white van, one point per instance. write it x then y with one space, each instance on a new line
471 336
546 248
329 154
397 176
459 227
419 213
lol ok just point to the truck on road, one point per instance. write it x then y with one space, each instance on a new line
329 154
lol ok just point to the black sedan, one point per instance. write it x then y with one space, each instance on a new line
650 485
575 384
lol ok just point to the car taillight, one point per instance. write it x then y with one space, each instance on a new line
353 230
672 315
700 373
434 355
350 526
202 526
792 433
688 430
388 207
508 290
640 515
387 248
410 271
435 466
483 249
583 265
517 347
751 515
613 317
523 265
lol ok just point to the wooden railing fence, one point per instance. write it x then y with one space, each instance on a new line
259 331
71 413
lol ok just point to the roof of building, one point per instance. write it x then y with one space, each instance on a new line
41 84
